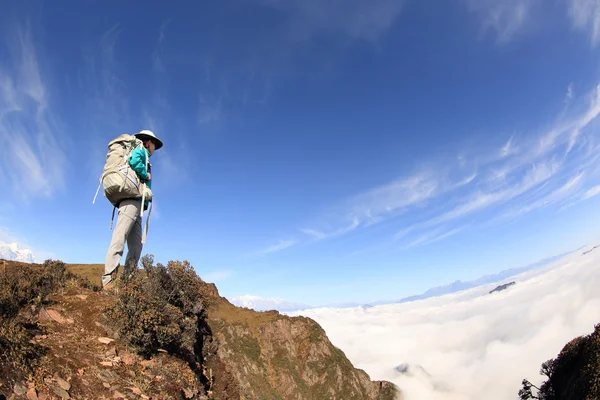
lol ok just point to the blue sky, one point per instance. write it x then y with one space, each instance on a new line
315 151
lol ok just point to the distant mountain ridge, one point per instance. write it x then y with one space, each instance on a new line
458 285
12 252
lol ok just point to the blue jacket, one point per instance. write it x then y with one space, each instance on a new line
137 161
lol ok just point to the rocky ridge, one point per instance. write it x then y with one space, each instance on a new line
242 354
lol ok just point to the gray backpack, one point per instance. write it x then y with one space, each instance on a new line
118 179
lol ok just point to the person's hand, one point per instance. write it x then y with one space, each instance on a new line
149 176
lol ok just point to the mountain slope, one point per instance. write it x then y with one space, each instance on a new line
239 353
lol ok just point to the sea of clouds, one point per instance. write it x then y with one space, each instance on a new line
472 344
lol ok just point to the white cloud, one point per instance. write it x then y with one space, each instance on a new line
569 94
282 245
432 236
508 149
585 16
525 174
471 344
33 157
319 235
595 191
505 18
263 304
566 191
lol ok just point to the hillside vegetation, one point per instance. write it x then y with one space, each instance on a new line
163 334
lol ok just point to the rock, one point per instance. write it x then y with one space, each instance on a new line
143 396
106 363
136 391
128 359
82 296
32 394
55 315
107 376
43 315
106 385
61 392
62 383
20 389
105 340
118 395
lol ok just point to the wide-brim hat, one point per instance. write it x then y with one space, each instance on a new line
146 134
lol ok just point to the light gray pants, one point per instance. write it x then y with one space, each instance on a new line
128 229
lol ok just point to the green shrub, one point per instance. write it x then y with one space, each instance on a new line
159 307
22 286
573 374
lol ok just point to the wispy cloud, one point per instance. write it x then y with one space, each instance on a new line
282 245
157 62
210 108
585 16
319 235
505 18
570 94
33 158
595 191
355 18
272 53
524 174
564 192
434 236
508 149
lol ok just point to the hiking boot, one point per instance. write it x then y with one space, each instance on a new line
112 285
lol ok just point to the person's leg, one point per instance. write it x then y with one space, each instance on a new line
134 244
128 212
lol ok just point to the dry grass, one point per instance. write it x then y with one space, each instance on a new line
91 272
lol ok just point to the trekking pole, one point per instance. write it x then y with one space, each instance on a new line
143 199
144 190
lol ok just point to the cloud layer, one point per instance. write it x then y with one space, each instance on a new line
262 304
472 344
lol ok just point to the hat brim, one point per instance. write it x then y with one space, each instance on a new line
157 141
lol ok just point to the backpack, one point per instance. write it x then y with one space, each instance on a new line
118 179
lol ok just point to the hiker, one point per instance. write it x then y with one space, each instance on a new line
129 221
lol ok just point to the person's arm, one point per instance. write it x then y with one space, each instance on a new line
137 160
